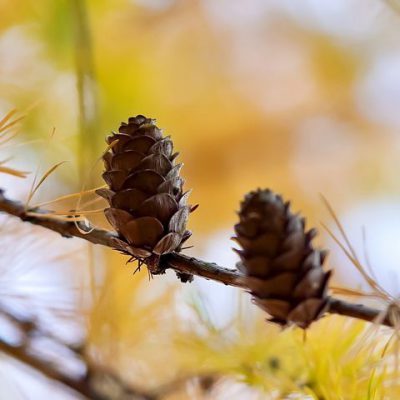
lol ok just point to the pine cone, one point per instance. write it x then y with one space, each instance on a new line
147 205
282 269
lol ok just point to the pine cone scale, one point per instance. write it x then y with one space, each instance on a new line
117 217
114 179
127 161
279 287
143 231
279 308
167 243
147 181
306 311
141 144
129 199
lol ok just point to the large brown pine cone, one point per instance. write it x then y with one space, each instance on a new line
282 269
147 205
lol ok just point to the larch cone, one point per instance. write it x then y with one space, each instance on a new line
281 268
147 205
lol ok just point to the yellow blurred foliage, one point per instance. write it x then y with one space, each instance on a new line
254 95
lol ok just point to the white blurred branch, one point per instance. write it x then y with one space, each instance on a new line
87 385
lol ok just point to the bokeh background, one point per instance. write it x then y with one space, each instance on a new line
299 96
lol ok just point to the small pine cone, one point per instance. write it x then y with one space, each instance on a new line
282 269
147 205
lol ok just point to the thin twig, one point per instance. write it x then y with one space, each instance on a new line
337 306
176 261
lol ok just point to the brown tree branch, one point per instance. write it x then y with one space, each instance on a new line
97 383
176 261
84 386
21 354
360 311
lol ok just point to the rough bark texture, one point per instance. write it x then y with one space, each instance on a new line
282 269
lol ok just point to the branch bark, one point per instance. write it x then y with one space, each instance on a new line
177 261
97 383
86 385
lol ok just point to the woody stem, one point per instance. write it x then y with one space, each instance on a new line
176 261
